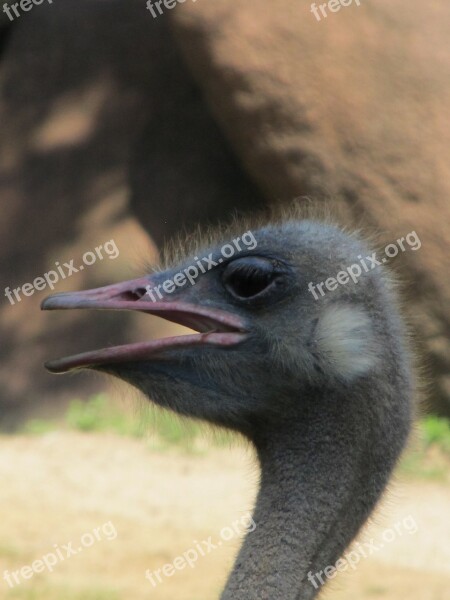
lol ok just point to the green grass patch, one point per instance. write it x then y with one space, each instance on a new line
436 430
97 414
163 428
430 457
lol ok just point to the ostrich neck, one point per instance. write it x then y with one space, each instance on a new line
320 479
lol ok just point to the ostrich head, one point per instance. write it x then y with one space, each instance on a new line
320 383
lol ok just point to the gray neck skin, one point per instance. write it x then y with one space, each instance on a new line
320 478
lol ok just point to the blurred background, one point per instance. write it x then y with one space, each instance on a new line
118 125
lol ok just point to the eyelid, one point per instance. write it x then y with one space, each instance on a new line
251 269
250 262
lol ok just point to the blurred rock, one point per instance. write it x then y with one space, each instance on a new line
87 88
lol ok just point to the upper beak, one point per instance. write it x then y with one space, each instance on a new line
218 327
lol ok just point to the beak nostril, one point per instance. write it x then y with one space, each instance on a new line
133 295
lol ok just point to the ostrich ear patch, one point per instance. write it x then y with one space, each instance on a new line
345 341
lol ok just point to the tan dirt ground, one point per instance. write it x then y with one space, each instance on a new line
57 487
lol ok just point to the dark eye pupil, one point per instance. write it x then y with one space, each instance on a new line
247 285
248 278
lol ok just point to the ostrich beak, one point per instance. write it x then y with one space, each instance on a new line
216 327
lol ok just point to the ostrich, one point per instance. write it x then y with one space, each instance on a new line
321 387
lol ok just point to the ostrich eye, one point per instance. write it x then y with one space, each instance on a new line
248 277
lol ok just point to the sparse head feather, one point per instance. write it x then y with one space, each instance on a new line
192 243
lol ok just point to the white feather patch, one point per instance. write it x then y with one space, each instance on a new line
345 341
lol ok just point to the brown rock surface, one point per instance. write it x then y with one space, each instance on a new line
102 134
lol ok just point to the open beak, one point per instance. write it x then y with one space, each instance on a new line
216 327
